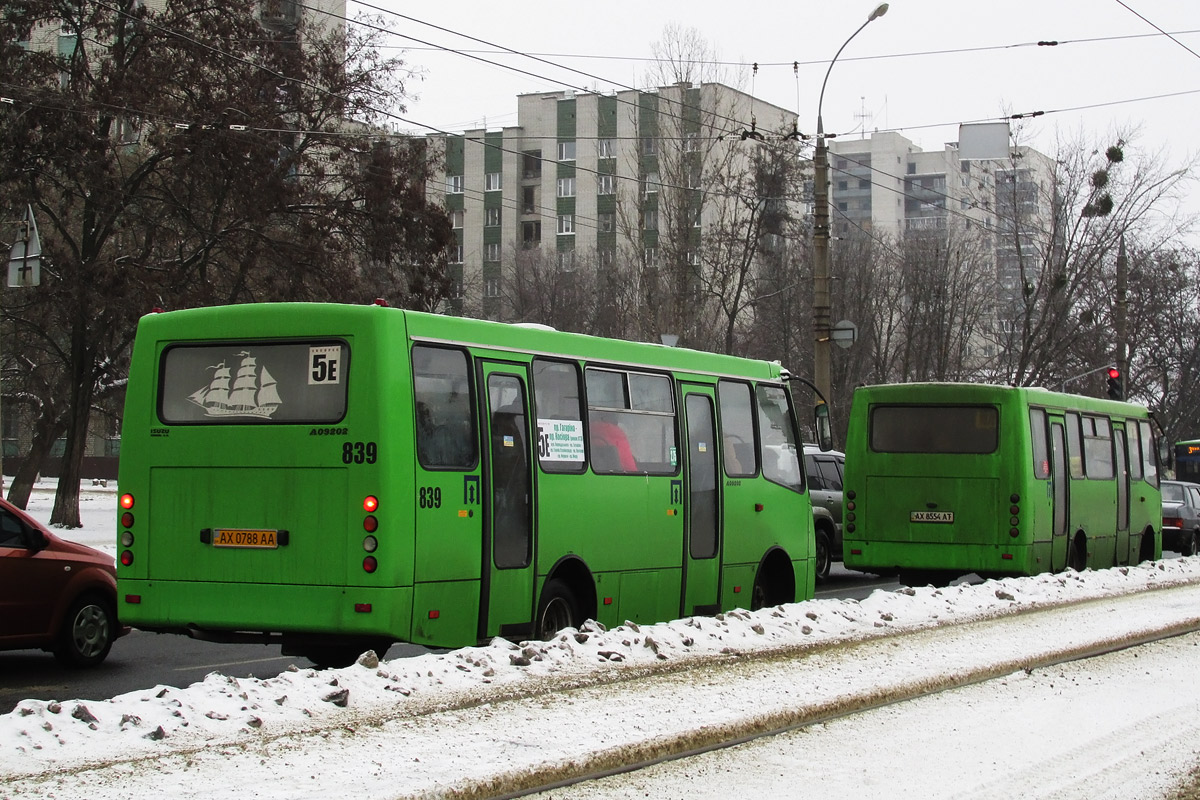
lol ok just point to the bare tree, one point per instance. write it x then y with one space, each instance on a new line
186 157
1096 197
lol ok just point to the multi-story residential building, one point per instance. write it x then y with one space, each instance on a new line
595 177
886 187
300 17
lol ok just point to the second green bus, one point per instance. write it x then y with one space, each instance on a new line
947 479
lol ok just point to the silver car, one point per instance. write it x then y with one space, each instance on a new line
1181 517
824 469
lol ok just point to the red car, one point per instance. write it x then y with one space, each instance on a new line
54 594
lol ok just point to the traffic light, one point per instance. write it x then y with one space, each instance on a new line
1115 389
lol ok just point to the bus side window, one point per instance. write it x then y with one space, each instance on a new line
558 408
1074 446
1041 454
1149 457
780 454
445 427
1135 450
631 422
737 429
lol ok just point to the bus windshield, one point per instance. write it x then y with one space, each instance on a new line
934 429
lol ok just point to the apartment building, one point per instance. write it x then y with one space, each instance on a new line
886 187
591 178
303 18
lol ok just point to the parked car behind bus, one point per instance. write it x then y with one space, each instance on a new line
55 595
1181 517
824 470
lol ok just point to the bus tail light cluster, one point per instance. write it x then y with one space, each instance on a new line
1015 515
126 502
370 525
848 510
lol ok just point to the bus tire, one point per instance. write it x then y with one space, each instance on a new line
558 609
824 555
775 582
1077 554
87 632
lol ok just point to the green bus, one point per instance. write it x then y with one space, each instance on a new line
338 478
947 479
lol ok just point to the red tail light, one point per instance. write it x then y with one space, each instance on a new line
370 504
126 501
1172 522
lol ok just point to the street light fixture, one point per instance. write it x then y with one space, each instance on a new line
821 303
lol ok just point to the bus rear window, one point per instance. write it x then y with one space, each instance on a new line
254 383
934 429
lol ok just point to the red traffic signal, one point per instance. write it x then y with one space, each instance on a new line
1116 389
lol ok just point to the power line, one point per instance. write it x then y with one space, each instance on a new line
1160 30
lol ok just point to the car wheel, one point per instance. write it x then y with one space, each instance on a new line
1191 545
824 555
557 610
87 633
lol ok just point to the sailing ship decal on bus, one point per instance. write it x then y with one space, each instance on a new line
250 392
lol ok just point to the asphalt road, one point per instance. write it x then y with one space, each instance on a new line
143 660
140 661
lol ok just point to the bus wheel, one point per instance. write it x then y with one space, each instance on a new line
824 555
775 582
1077 556
557 610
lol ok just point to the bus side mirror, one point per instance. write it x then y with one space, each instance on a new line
1164 452
824 433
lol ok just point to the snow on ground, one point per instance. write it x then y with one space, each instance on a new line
225 713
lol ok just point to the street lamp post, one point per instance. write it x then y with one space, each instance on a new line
821 303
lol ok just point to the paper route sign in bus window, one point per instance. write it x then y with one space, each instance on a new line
560 440
249 382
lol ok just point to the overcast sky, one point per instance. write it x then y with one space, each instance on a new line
921 69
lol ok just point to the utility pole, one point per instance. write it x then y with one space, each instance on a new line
821 301
1120 316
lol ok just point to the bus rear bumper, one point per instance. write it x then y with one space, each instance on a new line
889 558
245 612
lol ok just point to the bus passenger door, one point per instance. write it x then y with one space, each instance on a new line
702 562
1122 465
1059 480
507 608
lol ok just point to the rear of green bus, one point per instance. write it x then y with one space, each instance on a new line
932 471
252 478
